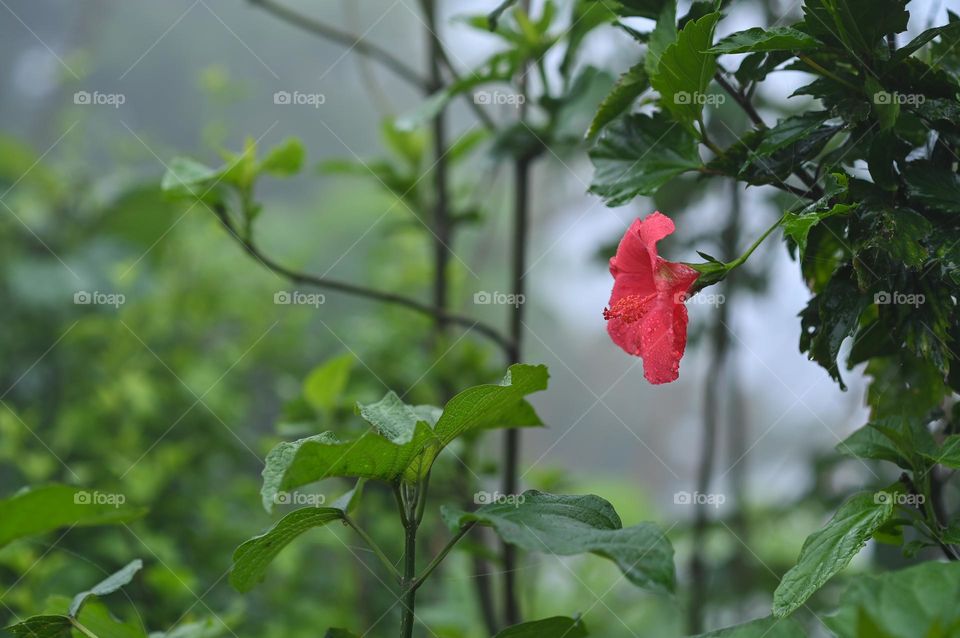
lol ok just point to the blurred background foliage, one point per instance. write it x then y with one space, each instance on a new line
174 397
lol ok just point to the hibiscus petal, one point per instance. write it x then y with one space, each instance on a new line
663 338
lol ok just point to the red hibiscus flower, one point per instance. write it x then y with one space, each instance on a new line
647 316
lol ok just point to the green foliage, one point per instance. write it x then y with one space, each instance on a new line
685 69
556 626
912 602
636 155
830 549
405 440
757 40
762 628
86 615
44 509
251 559
568 525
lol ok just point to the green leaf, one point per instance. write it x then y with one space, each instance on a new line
44 509
110 584
762 628
43 627
185 176
630 85
904 52
98 620
757 39
286 159
568 525
663 35
251 559
797 226
885 107
685 69
830 549
638 154
829 318
870 443
920 601
339 633
932 186
556 626
325 384
405 439
948 453
857 25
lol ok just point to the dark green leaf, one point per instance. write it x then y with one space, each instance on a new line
828 319
405 441
637 154
250 560
762 628
558 626
952 29
43 627
340 633
919 601
773 39
685 69
933 186
568 525
630 85
830 549
663 35
45 509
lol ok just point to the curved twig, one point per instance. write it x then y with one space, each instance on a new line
354 42
362 291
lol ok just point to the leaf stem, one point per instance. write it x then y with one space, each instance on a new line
822 71
373 546
443 554
746 255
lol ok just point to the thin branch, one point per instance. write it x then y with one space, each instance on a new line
478 110
443 554
362 291
813 191
373 547
740 99
354 42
